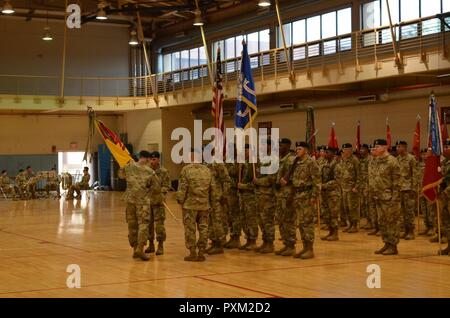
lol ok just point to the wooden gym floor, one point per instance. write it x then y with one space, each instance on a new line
39 239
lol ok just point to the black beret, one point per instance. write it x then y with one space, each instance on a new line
322 147
285 141
144 154
365 146
302 144
401 142
155 154
380 142
347 145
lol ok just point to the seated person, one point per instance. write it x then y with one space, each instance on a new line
82 185
52 182
6 186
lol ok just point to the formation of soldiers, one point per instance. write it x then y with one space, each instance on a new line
338 189
24 185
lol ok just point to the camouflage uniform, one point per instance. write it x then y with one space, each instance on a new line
140 180
408 190
232 201
247 201
265 204
324 212
305 182
285 212
445 199
331 194
157 212
77 187
21 185
384 178
217 219
363 187
52 182
427 208
7 187
194 194
349 174
338 175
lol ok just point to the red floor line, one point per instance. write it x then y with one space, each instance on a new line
240 287
44 241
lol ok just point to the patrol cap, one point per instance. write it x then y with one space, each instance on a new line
155 154
144 154
401 142
380 142
285 141
302 144
365 146
347 145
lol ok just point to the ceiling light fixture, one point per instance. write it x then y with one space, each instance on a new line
133 39
101 14
198 20
264 3
7 8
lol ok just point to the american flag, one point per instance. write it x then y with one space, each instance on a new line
217 101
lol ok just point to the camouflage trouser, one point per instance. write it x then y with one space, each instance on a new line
216 220
266 214
331 201
364 203
408 207
52 187
138 219
445 217
195 220
373 215
305 212
287 219
325 212
388 212
157 218
8 190
350 200
428 211
77 189
233 215
249 218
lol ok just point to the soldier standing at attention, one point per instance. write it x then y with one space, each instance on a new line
249 214
265 204
140 180
364 185
305 182
445 197
157 212
427 208
349 175
408 188
331 194
232 207
285 213
384 185
194 195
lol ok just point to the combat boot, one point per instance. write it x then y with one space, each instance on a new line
263 245
217 248
251 246
381 250
325 238
445 251
267 249
211 246
403 234
227 244
150 248
435 239
140 253
343 224
334 235
192 257
243 247
410 234
234 242
289 251
201 255
391 250
160 250
309 253
135 255
425 232
373 232
353 228
348 228
299 254
280 251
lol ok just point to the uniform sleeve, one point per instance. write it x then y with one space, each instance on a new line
316 180
165 182
224 178
356 168
266 180
416 175
182 187
396 176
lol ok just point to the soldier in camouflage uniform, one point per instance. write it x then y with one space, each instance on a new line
322 161
82 185
140 180
445 197
194 195
232 207
364 185
6 186
221 182
52 182
21 185
285 213
349 179
31 182
157 211
384 185
265 204
247 201
305 182
428 209
330 194
408 188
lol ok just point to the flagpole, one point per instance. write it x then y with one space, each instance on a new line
202 31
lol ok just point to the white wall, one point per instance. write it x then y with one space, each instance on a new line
143 128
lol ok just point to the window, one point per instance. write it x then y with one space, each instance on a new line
409 11
193 62
371 16
184 59
445 6
328 31
344 21
167 63
313 34
429 8
264 40
298 32
394 7
230 48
